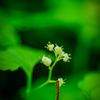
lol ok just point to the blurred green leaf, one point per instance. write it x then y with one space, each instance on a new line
6 65
91 85
8 35
20 56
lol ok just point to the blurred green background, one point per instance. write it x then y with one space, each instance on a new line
75 24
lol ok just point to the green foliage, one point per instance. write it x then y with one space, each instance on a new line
91 85
20 56
6 65
73 23
68 92
8 35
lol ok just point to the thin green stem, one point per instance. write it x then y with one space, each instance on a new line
50 74
29 85
49 77
29 81
54 63
52 81
50 70
45 83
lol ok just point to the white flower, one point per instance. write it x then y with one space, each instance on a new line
46 61
50 46
61 82
61 54
58 50
66 57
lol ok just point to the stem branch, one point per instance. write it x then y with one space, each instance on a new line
49 77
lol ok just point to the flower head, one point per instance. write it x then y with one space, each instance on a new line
50 46
61 82
58 50
46 61
66 57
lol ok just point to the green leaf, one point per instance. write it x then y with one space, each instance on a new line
8 35
20 56
6 65
91 85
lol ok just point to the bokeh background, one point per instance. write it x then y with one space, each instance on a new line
75 24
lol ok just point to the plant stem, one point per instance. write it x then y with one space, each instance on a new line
49 77
50 70
54 63
57 90
50 74
29 82
45 83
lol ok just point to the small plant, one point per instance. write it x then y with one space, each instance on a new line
59 55
26 58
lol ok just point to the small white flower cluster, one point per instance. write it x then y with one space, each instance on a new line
61 82
59 52
46 61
